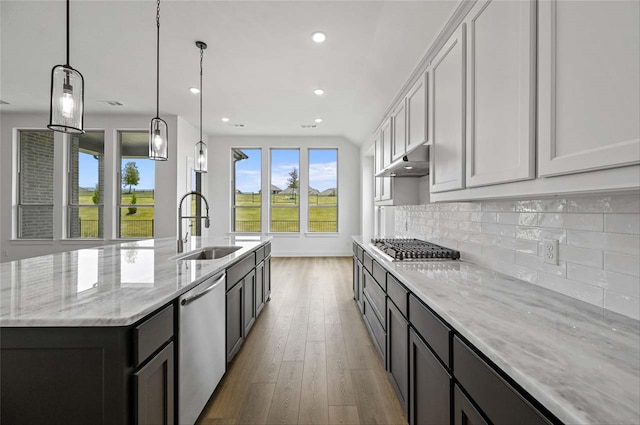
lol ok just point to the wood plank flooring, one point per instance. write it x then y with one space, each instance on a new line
308 358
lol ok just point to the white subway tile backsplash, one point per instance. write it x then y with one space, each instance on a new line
525 219
623 304
537 263
592 222
577 255
582 291
623 223
599 238
621 263
612 242
618 282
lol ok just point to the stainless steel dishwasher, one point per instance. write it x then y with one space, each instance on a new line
202 346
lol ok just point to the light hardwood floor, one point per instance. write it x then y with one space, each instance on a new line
308 358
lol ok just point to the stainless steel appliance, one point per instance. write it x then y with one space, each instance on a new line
401 249
202 346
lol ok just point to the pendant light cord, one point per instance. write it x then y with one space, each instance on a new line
67 32
157 60
201 56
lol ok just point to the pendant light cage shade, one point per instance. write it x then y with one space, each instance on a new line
201 157
158 141
67 100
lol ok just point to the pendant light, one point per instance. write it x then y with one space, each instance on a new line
67 96
158 143
201 147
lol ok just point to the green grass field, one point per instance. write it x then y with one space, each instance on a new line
140 224
286 219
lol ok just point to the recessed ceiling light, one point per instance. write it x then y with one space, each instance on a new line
225 119
318 119
318 92
408 167
194 90
318 37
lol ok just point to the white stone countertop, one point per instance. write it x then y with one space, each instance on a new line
578 360
114 285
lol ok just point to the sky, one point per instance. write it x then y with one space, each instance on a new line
88 171
322 168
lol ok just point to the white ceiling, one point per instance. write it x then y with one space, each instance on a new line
261 66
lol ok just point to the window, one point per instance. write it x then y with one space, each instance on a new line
137 188
85 211
35 184
285 190
323 190
247 190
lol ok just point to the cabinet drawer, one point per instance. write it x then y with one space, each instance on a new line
267 250
380 275
260 255
376 296
151 334
355 249
431 329
398 294
497 399
239 270
368 262
360 254
375 328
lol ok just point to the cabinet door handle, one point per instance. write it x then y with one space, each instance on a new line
192 298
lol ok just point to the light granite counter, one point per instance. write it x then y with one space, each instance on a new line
114 285
580 361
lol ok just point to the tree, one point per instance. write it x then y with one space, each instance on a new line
96 195
134 200
292 181
130 175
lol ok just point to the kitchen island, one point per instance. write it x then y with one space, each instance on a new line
494 349
92 336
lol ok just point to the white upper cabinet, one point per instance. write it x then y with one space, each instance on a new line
387 141
589 93
399 127
417 113
448 114
501 92
377 154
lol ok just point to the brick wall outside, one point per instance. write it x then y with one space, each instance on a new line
36 184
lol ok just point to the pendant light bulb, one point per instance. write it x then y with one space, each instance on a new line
158 130
66 113
200 152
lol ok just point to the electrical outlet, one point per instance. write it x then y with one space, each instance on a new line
550 251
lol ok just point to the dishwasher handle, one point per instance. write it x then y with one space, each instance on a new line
192 298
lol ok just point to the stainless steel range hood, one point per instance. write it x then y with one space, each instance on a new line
412 164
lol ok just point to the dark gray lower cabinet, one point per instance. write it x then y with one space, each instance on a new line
235 323
398 353
260 292
249 301
154 387
429 385
463 411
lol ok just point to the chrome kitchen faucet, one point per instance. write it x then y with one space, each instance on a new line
180 217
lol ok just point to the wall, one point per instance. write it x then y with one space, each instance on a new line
599 249
167 182
301 244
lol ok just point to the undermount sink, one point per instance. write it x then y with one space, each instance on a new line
210 253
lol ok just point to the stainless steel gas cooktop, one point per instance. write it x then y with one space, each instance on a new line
400 249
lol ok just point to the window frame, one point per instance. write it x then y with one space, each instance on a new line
233 192
69 205
337 206
270 215
18 186
118 204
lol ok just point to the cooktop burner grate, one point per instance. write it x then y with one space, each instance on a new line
400 249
